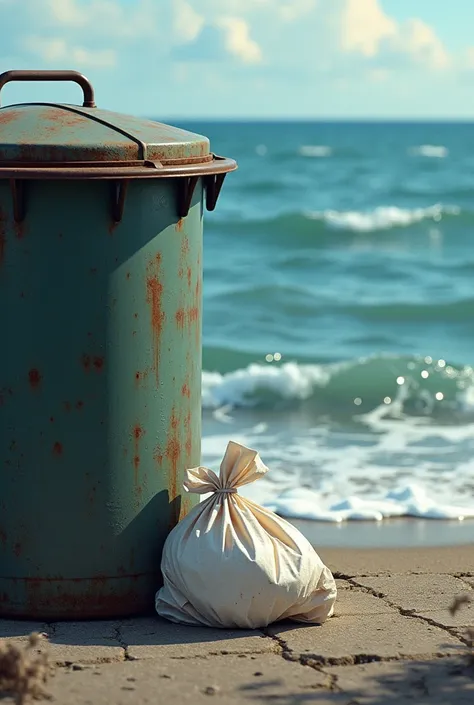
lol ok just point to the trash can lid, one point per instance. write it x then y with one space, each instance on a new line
49 140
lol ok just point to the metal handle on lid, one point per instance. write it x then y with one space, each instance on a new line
74 76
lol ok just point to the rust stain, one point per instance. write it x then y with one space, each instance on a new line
6 117
55 119
193 314
98 363
198 292
180 317
158 456
93 270
57 448
137 434
34 378
51 419
154 298
179 225
128 275
185 248
140 377
3 538
189 435
79 405
86 362
189 275
173 454
185 390
99 596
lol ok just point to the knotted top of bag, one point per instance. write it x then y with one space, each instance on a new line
240 466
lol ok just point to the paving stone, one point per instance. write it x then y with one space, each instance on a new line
153 637
11 629
350 639
227 679
86 642
429 596
353 602
434 682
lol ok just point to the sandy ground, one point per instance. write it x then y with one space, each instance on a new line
391 641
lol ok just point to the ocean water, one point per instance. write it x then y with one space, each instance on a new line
339 316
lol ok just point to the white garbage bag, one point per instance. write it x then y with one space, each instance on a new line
232 563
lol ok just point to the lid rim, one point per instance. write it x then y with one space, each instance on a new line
141 170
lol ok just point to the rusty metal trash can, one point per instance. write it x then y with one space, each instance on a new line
100 354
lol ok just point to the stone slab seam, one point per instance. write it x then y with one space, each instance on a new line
289 655
407 612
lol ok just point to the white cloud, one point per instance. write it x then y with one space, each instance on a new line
54 50
363 26
187 22
238 41
67 12
109 17
367 30
421 41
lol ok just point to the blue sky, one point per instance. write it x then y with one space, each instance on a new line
249 58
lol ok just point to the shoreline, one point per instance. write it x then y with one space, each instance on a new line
444 560
394 533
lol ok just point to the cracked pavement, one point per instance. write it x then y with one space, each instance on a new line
391 641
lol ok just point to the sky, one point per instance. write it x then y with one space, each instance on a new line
268 59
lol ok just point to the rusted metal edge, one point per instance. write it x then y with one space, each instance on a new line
74 76
219 165
149 163
119 192
18 188
213 186
186 188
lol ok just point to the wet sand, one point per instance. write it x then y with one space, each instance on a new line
390 533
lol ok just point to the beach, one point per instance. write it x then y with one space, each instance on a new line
392 640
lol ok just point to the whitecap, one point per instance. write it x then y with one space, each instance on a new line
316 151
431 151
381 218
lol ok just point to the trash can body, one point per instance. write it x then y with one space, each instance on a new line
100 374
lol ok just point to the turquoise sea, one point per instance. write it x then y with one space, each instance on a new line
339 315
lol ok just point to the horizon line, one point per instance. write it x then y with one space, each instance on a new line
342 120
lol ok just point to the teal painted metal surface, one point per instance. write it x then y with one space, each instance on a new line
100 394
100 387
